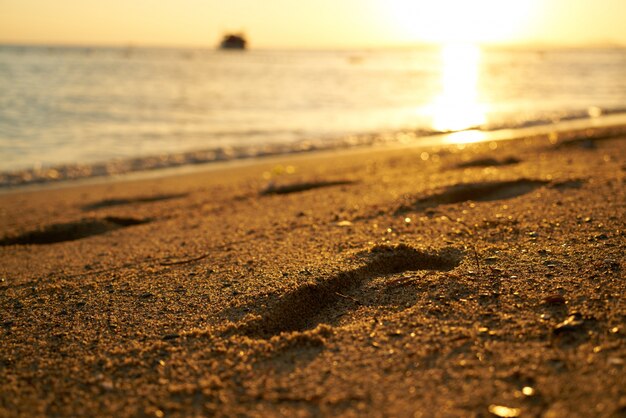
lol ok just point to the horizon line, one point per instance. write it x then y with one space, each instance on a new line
407 45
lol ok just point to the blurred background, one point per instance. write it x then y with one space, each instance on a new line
87 83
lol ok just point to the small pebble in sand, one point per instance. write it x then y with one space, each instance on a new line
504 411
612 264
572 323
528 391
107 384
554 299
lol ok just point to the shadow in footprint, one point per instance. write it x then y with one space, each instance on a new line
72 231
301 187
568 184
120 202
478 192
312 304
488 162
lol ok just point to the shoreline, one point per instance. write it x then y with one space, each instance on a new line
480 279
122 170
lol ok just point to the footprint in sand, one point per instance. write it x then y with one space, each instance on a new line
326 300
301 187
586 142
120 202
488 162
477 192
72 231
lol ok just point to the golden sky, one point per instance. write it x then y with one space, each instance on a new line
313 23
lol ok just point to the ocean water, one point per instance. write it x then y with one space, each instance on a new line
92 108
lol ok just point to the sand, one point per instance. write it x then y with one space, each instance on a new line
482 280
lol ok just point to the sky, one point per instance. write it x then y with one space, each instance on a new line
313 23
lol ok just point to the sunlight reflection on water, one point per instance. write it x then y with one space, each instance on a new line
79 105
457 106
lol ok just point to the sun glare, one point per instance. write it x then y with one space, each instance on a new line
457 106
445 21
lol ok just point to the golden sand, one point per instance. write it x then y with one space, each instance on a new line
484 280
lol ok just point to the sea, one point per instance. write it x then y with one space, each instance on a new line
79 111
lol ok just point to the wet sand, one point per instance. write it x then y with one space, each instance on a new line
484 280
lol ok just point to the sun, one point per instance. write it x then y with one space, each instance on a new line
448 21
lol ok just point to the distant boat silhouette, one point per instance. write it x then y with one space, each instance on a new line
233 41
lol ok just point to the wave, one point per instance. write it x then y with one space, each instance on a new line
575 124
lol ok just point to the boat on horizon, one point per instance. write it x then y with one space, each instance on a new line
233 41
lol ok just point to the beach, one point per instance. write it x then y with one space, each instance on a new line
469 280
